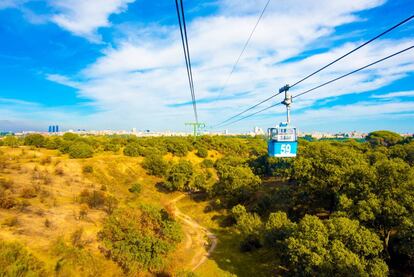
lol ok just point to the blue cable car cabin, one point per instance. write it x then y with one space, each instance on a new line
282 141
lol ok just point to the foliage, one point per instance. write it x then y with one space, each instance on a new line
202 152
15 260
133 149
80 150
384 138
236 183
74 260
155 165
34 140
179 176
140 239
136 188
337 247
87 169
11 141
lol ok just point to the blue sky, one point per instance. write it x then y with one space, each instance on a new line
117 64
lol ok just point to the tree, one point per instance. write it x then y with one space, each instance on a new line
180 176
80 150
133 149
139 239
277 228
155 165
384 138
236 183
34 140
336 247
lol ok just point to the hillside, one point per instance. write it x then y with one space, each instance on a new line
122 206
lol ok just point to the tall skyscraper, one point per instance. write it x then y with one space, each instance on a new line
50 128
57 129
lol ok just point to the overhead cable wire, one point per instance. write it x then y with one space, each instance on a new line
243 50
324 67
326 83
355 49
186 49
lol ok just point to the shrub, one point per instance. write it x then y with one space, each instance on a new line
28 193
34 140
16 261
47 223
70 136
207 163
11 221
94 199
11 141
133 149
155 165
46 160
5 183
112 147
135 188
202 152
139 239
80 150
77 261
179 177
59 171
87 169
76 238
110 204
6 200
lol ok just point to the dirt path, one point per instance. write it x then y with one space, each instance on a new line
197 236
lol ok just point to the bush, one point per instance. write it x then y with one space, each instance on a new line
155 165
94 199
5 183
139 239
207 163
6 200
11 141
34 140
87 169
133 149
28 193
112 147
15 260
135 188
11 221
80 150
202 152
179 177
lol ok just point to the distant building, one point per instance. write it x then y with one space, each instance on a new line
53 129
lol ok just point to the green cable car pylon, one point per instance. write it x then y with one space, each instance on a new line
196 127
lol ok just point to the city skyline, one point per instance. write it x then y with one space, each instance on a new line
118 65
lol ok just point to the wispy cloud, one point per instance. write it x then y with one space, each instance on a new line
408 93
140 79
83 18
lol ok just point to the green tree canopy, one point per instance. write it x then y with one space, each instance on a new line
385 138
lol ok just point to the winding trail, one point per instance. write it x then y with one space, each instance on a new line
198 232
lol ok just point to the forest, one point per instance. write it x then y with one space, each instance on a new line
102 206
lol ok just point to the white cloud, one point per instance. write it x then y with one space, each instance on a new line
84 17
136 81
408 93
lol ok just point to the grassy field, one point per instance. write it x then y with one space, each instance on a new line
46 187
